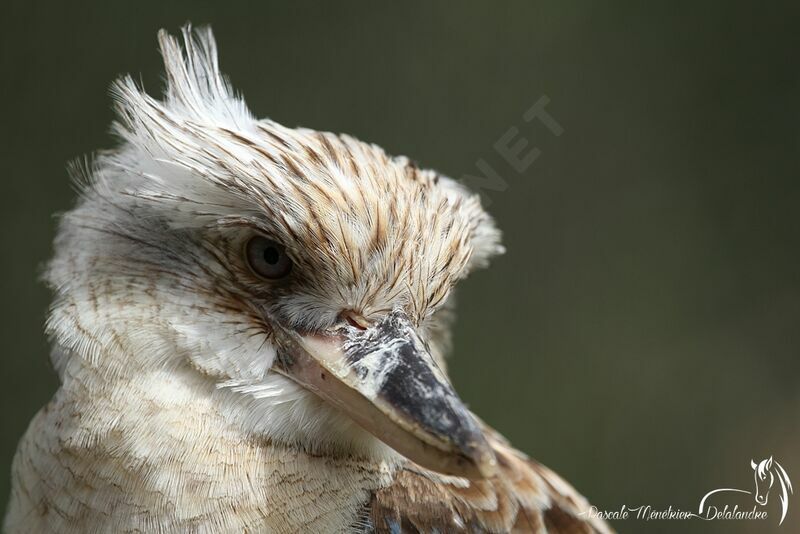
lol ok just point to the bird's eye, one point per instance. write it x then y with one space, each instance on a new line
267 258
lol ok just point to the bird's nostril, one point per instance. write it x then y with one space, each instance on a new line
355 319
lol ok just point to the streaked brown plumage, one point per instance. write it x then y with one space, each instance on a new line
525 496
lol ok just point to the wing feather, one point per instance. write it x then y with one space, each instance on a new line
524 496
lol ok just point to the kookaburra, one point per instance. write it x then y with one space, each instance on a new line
249 327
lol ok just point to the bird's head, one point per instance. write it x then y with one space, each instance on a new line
306 277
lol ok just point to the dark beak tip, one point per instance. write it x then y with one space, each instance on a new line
478 460
476 467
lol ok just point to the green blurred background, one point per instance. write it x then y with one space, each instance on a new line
641 334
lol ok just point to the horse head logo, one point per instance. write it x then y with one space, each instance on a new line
762 472
766 472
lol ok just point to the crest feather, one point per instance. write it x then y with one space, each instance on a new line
196 86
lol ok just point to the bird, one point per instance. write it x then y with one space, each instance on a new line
249 326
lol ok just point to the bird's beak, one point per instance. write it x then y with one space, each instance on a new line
385 379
